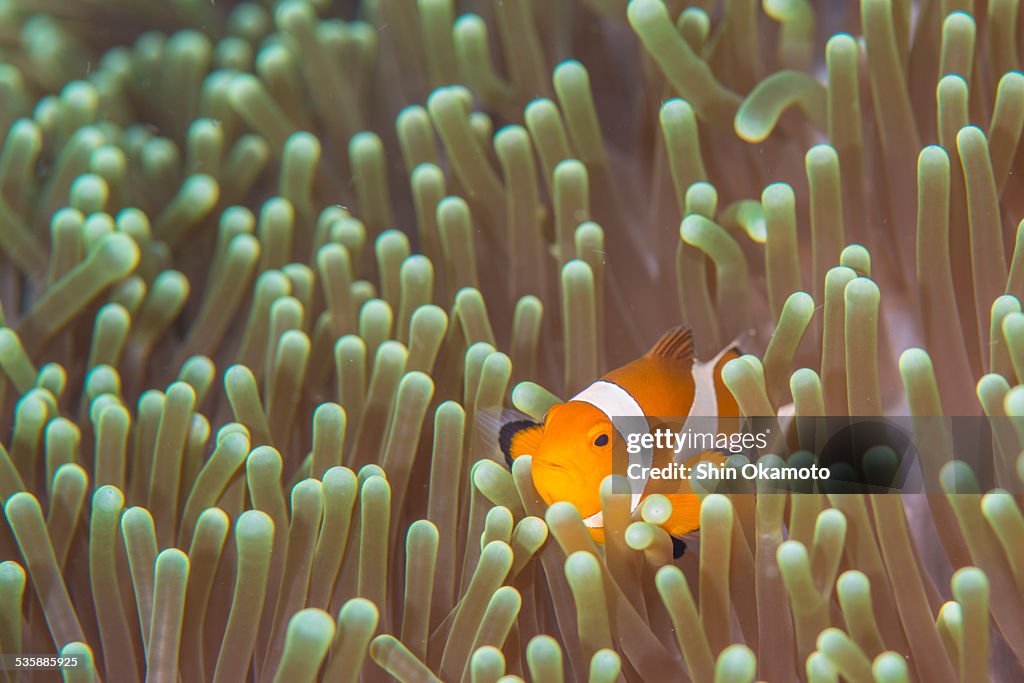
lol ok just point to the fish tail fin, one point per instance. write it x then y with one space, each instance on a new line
674 345
519 437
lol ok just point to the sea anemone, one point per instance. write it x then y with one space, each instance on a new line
265 265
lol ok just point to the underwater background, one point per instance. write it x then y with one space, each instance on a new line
264 263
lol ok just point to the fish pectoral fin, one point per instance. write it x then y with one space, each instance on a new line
519 437
681 542
489 425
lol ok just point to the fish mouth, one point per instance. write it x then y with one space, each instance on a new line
558 484
548 465
553 482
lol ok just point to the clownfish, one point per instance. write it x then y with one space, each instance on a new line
572 448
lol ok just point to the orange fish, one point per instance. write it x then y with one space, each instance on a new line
572 449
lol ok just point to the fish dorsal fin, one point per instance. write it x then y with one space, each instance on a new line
675 345
520 437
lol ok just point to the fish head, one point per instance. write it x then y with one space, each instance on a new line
574 456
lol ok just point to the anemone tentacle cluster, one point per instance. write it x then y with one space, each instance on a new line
263 265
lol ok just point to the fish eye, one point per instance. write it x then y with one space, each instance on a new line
601 440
